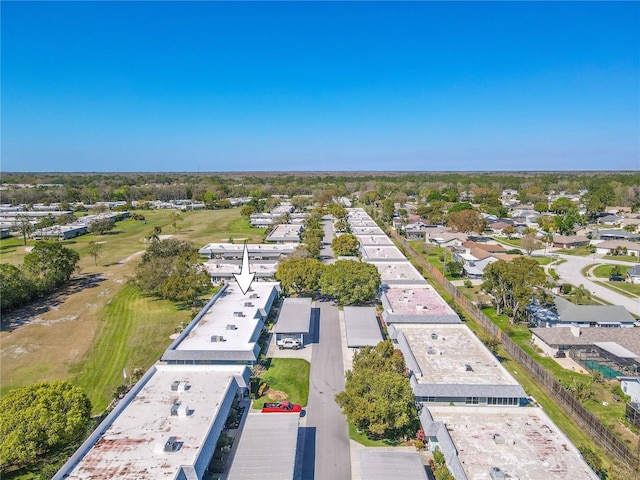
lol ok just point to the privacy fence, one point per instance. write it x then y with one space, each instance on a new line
590 424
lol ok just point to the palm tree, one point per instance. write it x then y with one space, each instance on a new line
548 239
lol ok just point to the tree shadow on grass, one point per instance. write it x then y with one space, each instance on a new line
13 319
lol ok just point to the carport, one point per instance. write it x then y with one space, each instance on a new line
267 447
362 327
294 319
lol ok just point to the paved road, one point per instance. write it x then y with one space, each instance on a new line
332 450
571 272
326 427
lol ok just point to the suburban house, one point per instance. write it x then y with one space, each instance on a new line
609 219
633 274
563 313
570 241
631 387
618 234
608 247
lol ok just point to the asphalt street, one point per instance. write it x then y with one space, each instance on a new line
571 272
326 427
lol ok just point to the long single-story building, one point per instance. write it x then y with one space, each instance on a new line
227 329
362 327
166 427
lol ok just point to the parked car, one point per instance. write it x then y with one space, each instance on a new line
270 407
616 278
293 343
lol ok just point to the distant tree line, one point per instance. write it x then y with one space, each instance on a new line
608 188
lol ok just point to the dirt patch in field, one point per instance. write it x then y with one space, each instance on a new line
276 395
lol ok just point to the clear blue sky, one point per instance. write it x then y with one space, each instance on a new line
213 86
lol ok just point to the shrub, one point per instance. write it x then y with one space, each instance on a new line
565 289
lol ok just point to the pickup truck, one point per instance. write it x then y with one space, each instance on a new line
281 407
293 343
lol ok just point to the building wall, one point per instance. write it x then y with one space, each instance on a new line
631 388
550 351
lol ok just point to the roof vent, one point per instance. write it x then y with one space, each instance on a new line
171 445
174 409
232 327
499 439
431 351
496 474
434 336
468 367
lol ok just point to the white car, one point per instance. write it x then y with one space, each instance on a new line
293 343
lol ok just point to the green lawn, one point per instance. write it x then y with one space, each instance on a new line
580 251
134 331
631 290
514 242
603 271
362 438
542 260
623 258
288 375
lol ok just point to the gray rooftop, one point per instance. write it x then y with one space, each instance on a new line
377 464
362 327
295 316
628 338
267 447
570 312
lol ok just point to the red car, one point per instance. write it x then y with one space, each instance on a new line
281 407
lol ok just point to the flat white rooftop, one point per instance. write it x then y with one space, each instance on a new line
399 273
229 328
374 240
227 267
285 233
533 449
443 351
377 254
358 230
132 447
254 250
415 301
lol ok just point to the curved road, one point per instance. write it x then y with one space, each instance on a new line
571 272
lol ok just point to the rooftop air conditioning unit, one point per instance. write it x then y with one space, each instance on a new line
248 304
174 385
174 409
232 327
217 338
254 295
238 314
498 438
468 367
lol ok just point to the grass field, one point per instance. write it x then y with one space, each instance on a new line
133 332
580 251
362 439
99 325
288 375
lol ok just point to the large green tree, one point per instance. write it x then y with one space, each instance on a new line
345 245
16 288
50 264
171 269
38 418
467 221
350 281
513 284
102 225
300 275
378 398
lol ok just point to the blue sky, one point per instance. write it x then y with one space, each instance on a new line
215 86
